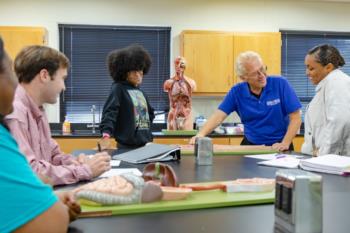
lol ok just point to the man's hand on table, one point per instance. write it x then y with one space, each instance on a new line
193 139
280 146
68 199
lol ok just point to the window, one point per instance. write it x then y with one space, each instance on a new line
88 80
295 45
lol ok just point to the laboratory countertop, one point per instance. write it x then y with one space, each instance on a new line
159 134
83 131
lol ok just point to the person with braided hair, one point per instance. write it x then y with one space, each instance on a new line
327 119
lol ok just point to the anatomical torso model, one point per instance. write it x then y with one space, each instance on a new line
180 89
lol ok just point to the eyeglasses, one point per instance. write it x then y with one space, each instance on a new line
261 71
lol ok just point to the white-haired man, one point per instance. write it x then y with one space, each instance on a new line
267 105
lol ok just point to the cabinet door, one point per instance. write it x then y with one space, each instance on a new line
15 38
209 58
236 140
298 142
177 141
267 44
70 144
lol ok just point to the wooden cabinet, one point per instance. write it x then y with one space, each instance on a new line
211 56
298 142
209 60
15 38
267 44
69 144
236 140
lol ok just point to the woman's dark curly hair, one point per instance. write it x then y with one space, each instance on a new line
325 54
132 58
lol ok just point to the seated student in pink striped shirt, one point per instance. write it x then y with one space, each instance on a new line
41 72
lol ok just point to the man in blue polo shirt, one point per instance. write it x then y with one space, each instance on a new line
267 105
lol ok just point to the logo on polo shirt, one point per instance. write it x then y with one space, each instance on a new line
273 102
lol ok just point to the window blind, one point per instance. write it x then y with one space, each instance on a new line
88 81
295 45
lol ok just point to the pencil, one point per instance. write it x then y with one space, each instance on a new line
99 147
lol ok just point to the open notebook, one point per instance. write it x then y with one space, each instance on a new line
333 164
151 152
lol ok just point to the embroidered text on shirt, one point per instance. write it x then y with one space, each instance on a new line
273 102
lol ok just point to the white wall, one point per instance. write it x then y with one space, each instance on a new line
228 15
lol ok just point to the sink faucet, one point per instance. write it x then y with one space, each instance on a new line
93 125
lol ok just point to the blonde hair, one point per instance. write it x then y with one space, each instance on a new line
243 59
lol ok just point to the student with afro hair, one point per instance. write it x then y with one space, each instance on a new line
127 114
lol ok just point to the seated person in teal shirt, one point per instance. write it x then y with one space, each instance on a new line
27 204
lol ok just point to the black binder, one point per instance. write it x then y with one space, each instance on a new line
151 152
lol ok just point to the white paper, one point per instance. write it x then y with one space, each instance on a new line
115 163
262 156
118 171
273 156
286 162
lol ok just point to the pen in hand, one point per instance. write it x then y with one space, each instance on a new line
99 147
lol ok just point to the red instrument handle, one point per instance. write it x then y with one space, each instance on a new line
198 187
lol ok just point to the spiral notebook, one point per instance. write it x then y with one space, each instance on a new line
332 164
151 152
